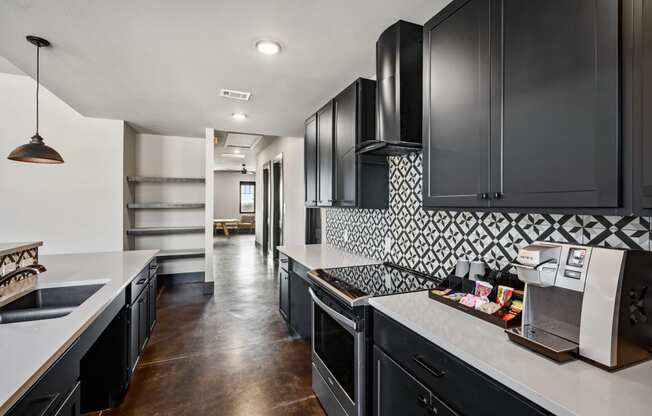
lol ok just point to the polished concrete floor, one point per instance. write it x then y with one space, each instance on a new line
229 354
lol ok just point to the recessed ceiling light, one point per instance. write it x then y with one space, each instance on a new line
239 116
268 47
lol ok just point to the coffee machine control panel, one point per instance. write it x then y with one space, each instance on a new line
574 267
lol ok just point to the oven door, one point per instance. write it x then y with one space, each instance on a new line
338 356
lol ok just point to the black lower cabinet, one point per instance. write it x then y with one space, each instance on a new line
284 294
143 320
152 288
300 306
399 393
71 406
453 386
134 330
51 391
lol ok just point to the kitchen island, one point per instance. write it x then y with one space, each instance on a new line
31 348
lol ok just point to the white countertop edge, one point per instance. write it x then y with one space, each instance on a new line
12 399
489 370
320 256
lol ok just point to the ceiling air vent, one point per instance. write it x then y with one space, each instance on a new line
236 95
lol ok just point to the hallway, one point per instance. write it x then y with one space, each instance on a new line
230 354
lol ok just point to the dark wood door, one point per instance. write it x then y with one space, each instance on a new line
310 161
396 392
325 155
284 294
300 311
345 107
556 136
457 106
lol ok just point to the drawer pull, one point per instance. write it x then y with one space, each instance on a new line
423 364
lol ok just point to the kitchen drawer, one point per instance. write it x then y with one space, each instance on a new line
462 387
138 284
284 262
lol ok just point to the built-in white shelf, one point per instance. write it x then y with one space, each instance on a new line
160 179
180 253
165 230
165 205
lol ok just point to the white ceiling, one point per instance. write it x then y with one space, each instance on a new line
159 64
249 154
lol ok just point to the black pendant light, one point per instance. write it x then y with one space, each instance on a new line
36 151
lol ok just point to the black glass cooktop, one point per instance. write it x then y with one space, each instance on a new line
358 283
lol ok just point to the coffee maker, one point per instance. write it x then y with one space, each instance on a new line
587 302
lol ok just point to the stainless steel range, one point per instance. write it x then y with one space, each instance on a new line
341 330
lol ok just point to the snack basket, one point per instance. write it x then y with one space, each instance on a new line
466 286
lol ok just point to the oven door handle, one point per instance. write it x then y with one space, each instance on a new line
333 313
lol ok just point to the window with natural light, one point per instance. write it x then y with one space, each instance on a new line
247 197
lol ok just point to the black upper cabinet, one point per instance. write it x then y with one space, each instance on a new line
310 161
345 142
325 160
638 84
521 105
456 106
335 175
558 130
360 180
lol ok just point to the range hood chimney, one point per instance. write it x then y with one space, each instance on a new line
399 75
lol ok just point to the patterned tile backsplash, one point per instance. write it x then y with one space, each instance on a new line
431 241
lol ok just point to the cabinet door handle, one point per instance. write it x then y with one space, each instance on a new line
423 364
483 195
498 195
423 402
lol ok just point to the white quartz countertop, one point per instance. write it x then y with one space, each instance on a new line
321 256
28 349
573 388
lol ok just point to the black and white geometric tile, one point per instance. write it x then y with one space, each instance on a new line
431 241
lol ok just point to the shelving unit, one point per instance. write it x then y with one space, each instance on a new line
136 231
180 254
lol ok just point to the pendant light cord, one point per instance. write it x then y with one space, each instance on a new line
38 82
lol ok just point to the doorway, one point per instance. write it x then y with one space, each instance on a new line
266 184
277 207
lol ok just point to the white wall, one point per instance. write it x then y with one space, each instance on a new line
226 198
170 156
293 183
74 207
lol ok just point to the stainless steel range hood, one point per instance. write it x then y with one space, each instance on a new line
399 73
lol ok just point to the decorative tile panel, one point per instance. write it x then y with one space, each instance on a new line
431 241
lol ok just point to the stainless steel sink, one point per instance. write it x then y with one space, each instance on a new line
48 303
